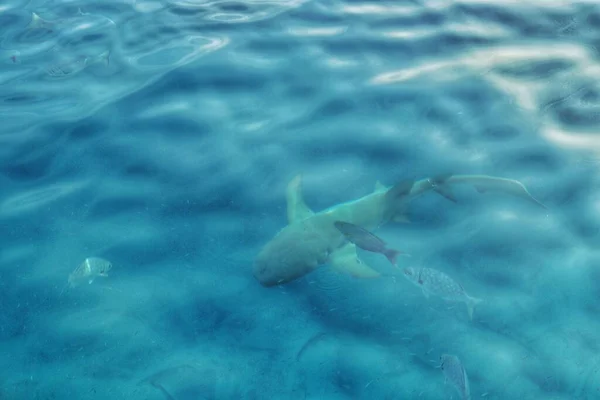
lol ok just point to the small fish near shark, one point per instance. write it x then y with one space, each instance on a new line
311 239
366 240
437 283
482 183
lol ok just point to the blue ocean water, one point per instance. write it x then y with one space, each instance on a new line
161 135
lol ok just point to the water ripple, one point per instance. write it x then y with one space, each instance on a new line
63 45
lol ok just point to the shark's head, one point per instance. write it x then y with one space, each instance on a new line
295 251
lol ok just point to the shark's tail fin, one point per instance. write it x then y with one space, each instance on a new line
394 205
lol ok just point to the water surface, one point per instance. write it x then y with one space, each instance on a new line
161 135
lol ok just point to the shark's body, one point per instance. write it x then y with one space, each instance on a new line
311 239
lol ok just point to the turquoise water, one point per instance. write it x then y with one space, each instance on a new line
161 135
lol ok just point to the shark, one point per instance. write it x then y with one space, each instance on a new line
311 240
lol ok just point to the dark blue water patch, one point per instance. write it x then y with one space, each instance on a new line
24 99
141 170
385 98
110 207
576 116
549 384
572 188
495 14
234 6
22 304
540 158
421 19
11 20
315 17
56 347
350 46
388 152
85 41
89 129
173 128
228 196
591 17
222 78
187 11
13 319
168 31
336 107
501 132
195 204
269 45
536 69
29 167
587 229
446 43
473 96
589 95
33 35
141 253
192 321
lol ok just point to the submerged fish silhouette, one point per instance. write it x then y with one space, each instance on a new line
88 270
455 373
366 240
437 283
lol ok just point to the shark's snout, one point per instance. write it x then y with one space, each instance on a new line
291 254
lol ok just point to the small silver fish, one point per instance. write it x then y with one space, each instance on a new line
366 240
88 270
455 373
437 283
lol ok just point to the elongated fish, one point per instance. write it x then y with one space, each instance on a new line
482 183
455 373
366 240
434 282
88 270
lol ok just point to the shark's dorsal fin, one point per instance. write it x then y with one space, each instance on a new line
394 199
345 260
296 208
379 186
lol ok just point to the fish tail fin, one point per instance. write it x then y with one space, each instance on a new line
393 204
471 303
392 255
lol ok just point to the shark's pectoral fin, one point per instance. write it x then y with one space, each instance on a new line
296 208
345 260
